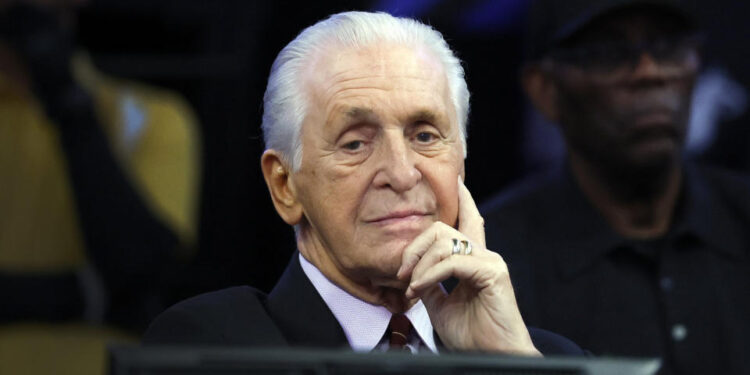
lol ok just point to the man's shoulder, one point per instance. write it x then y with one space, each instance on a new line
222 299
730 186
725 179
513 215
522 196
232 316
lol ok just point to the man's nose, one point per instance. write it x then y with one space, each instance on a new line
648 68
397 166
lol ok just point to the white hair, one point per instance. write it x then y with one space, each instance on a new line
284 103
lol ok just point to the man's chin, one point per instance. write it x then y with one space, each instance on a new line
382 273
655 161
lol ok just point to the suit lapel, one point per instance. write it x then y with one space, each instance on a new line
300 312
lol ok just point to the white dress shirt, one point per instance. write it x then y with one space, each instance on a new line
365 324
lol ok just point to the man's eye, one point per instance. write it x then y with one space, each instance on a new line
425 137
353 146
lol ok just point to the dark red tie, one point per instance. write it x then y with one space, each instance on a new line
399 329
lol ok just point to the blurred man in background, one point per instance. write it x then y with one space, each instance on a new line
627 249
99 187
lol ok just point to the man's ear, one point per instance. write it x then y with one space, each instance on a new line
278 179
541 89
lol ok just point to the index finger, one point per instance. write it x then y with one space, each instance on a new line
470 221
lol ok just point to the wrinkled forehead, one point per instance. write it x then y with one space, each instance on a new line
385 60
392 79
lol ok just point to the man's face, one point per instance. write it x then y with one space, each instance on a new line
628 116
381 157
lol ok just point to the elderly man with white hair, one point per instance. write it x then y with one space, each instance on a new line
365 126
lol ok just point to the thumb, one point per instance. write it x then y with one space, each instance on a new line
470 221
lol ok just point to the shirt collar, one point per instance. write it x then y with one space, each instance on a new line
363 323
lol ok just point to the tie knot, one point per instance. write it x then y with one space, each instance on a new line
399 328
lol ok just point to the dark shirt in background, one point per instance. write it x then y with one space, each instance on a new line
684 297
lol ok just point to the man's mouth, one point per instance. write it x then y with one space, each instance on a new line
399 217
656 115
655 124
654 118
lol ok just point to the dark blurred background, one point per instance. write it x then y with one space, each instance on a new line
218 55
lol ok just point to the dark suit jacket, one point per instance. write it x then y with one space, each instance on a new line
293 314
